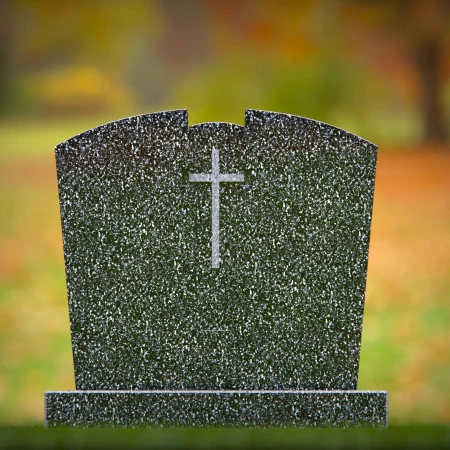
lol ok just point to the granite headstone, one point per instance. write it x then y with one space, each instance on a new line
216 273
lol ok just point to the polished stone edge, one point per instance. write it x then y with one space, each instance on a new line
221 408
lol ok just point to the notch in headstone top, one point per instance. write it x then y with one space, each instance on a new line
216 273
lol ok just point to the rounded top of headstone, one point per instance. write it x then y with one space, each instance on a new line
256 120
140 123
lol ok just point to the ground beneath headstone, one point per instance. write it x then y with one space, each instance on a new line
432 437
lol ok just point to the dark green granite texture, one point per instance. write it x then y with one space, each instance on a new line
220 408
282 311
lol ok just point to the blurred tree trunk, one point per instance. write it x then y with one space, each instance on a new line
428 59
427 34
422 29
4 54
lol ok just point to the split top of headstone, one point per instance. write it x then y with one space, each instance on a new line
216 256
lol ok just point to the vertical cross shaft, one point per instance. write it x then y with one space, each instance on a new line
215 208
215 178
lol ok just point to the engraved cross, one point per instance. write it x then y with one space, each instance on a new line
215 177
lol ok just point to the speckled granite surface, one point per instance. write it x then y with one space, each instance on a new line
217 408
216 256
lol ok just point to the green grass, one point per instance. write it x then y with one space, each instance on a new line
398 437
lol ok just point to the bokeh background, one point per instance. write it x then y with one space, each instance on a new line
380 69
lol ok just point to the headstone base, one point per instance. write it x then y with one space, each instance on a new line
242 408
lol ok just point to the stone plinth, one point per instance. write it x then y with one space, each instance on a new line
216 408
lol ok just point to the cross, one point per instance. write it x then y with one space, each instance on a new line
215 177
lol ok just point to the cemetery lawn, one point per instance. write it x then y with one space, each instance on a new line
405 343
431 437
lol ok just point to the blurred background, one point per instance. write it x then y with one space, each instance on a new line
380 69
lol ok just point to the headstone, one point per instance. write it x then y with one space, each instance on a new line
216 273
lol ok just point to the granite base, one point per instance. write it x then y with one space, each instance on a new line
255 409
